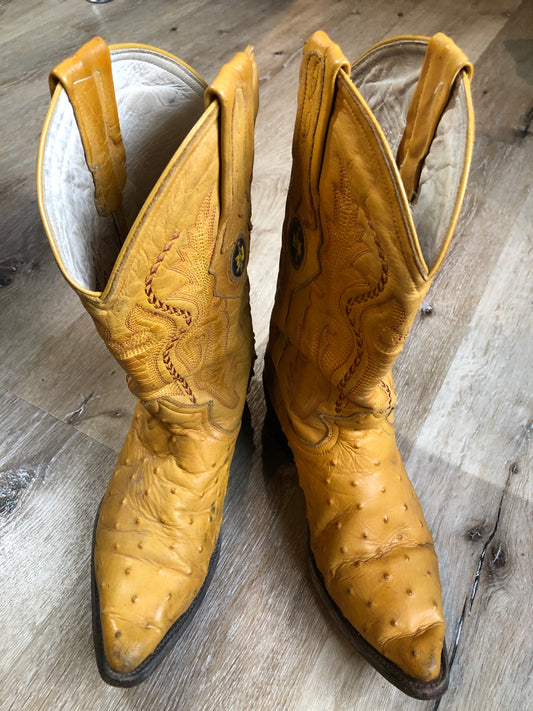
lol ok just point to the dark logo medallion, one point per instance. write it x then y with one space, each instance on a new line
296 243
238 258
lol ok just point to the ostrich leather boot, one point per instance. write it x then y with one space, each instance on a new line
363 237
157 253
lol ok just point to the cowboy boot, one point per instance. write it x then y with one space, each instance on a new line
158 259
363 237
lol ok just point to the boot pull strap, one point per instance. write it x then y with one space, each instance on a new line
442 64
322 61
88 81
235 89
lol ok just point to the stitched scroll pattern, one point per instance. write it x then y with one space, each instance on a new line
169 328
355 322
148 288
179 274
368 296
163 306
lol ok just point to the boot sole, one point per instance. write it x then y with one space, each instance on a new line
423 690
150 664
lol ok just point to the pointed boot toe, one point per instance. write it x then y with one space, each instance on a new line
140 612
372 548
141 607
155 539
126 644
418 655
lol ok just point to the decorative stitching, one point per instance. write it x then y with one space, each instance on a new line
386 388
148 290
352 100
371 294
172 370
162 306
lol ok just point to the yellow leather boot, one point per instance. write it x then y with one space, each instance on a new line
157 253
381 154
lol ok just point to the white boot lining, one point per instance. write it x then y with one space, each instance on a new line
159 100
386 78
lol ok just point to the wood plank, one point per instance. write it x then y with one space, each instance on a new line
489 210
51 481
460 466
496 630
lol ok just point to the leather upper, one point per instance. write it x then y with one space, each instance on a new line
175 314
352 277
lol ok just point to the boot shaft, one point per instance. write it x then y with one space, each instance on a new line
358 252
159 256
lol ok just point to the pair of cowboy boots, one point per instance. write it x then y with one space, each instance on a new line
157 252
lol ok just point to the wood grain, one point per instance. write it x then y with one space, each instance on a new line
261 639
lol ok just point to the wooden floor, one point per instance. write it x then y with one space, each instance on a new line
464 382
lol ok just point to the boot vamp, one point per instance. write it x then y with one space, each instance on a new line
372 545
157 529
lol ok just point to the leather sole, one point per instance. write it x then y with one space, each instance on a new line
150 664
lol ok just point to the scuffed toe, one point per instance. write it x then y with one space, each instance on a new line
419 656
127 644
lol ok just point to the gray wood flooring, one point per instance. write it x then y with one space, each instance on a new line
464 383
